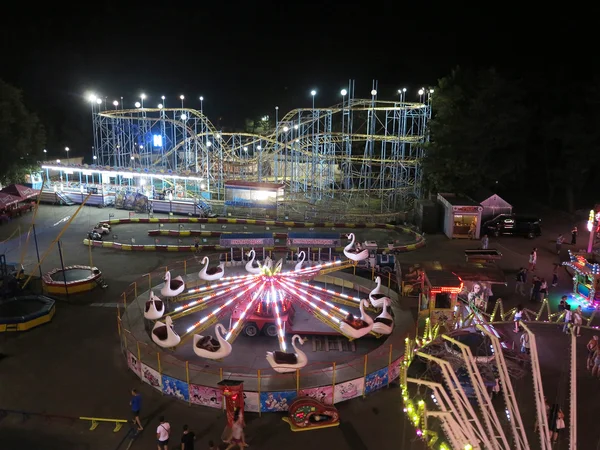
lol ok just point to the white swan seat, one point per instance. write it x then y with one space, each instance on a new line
384 322
164 335
284 362
352 253
250 267
211 273
155 308
210 347
376 297
357 327
300 260
173 287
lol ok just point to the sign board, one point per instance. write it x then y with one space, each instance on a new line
323 240
466 209
247 240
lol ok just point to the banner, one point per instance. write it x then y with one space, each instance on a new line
206 396
324 240
247 240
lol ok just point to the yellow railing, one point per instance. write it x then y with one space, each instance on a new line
96 421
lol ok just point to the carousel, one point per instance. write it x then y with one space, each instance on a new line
264 296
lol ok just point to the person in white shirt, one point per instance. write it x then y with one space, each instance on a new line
163 432
568 318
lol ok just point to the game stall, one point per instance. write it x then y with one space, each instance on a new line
462 216
586 278
439 295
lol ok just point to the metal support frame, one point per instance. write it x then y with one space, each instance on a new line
477 433
573 399
360 157
516 422
492 422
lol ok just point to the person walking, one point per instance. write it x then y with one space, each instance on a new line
533 259
596 362
163 431
485 242
556 422
574 235
559 242
535 289
187 439
592 345
237 432
543 289
555 275
568 319
136 407
577 320
518 317
521 280
525 347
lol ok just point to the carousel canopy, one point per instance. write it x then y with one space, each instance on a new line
18 190
6 200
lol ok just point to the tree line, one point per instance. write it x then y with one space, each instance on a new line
529 135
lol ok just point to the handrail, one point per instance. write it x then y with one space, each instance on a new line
95 422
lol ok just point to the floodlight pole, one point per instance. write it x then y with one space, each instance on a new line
573 401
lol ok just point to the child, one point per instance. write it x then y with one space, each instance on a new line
555 275
518 317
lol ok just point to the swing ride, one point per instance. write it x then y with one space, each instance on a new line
263 297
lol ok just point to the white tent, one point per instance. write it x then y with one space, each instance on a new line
492 204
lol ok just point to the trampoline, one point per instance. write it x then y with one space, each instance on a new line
24 313
72 280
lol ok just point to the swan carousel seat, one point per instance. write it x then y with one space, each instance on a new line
163 334
301 259
384 323
284 362
354 327
155 307
250 268
211 273
376 297
352 253
173 287
211 348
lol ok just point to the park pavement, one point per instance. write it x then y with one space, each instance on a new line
73 366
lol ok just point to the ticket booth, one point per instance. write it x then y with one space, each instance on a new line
439 296
462 216
586 279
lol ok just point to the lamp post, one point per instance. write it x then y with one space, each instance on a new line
143 97
182 97
313 93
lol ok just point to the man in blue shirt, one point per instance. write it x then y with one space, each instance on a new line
136 406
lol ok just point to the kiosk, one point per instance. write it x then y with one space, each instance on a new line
462 216
439 294
586 279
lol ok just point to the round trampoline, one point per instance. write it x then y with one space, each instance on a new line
72 280
24 313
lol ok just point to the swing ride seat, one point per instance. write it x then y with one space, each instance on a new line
284 358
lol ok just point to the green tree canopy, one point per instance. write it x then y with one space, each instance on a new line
22 136
478 133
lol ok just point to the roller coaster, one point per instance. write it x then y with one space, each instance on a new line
360 157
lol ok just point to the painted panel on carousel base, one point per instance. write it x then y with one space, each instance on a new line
152 377
134 364
206 396
276 401
175 388
251 402
349 389
323 394
376 380
394 370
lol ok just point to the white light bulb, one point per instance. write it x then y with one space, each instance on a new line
286 129
160 106
116 103
343 92
421 91
373 92
99 100
181 97
138 104
163 97
201 98
143 96
313 92
183 117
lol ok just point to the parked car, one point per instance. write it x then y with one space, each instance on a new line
513 225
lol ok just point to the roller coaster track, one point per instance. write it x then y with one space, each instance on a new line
272 145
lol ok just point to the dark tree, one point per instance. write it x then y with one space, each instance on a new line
478 133
22 136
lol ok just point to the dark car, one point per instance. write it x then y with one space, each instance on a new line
514 225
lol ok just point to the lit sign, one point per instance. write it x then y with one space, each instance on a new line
157 140
473 209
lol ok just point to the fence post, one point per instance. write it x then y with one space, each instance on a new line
297 381
159 370
185 267
333 385
187 378
389 363
138 351
223 405
124 295
365 376
258 377
389 280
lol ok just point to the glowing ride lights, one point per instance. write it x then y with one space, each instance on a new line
266 294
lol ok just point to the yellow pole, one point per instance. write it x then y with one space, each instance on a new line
372 273
119 325
389 364
149 280
159 368
37 205
124 299
354 268
258 378
223 403
365 375
185 267
297 381
135 289
56 239
90 252
187 377
125 339
333 383
139 351
389 280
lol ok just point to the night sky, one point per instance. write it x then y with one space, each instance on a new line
247 59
